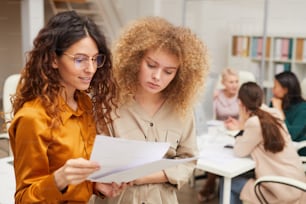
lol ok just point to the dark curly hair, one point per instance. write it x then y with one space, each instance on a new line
39 79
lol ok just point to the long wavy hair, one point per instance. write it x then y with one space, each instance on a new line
289 81
251 96
40 80
158 34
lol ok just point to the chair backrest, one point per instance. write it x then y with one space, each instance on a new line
245 76
294 183
9 88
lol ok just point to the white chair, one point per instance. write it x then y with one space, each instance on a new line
9 88
281 179
245 76
276 179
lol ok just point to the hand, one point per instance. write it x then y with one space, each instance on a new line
157 177
110 190
232 124
74 171
277 103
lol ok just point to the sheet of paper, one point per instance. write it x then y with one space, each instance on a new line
124 160
217 153
135 172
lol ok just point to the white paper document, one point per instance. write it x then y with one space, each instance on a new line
123 160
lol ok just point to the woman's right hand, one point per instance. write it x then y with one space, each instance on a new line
277 103
232 124
74 171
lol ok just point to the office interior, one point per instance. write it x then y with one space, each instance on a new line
216 22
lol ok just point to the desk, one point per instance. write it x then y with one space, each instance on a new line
7 181
216 159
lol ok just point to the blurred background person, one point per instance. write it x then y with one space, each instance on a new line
287 98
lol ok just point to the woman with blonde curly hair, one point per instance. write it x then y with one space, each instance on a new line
53 130
160 69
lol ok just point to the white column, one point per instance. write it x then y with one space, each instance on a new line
32 20
157 8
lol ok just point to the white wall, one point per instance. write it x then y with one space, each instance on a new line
133 9
215 20
10 39
32 20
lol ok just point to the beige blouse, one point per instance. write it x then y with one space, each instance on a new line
165 126
284 163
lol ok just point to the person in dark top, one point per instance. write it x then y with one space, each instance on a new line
287 98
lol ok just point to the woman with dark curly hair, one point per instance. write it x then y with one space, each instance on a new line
287 98
160 69
53 130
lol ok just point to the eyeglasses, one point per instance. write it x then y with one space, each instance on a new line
82 61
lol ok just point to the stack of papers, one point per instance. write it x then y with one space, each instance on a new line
123 160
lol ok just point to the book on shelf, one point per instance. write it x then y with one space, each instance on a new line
304 50
245 47
257 45
278 49
254 47
240 46
299 49
290 48
283 48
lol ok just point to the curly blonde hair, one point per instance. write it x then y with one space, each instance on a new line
157 33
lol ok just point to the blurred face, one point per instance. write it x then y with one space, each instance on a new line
74 75
157 70
278 90
231 84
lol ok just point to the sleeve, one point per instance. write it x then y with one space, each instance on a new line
250 138
297 125
187 147
30 139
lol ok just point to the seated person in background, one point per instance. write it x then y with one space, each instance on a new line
287 98
270 147
226 108
225 103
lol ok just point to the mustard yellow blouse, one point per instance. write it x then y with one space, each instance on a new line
39 151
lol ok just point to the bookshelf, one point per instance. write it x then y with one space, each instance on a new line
282 53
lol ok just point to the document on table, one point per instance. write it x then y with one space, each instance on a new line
124 160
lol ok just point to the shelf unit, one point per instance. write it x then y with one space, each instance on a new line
282 53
